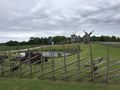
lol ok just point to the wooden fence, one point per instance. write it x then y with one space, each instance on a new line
92 69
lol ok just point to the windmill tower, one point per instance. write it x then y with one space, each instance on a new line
86 37
75 38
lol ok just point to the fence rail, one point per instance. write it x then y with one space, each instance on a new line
93 69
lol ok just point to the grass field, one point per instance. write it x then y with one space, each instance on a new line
25 84
8 48
97 49
36 84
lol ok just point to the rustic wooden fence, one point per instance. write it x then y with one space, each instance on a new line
99 69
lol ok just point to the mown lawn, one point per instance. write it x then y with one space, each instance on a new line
25 84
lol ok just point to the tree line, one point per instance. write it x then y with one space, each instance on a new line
60 40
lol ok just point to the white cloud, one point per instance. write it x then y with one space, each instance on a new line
52 17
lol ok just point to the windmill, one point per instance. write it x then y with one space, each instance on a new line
75 38
86 37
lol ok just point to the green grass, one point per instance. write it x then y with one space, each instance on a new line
8 48
25 84
98 51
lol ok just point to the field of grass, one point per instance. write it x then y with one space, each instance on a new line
8 48
97 50
25 84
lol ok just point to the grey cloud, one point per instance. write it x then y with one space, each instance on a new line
71 15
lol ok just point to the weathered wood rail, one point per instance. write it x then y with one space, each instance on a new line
94 69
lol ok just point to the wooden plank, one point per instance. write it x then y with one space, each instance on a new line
107 65
100 63
32 73
59 74
72 75
43 74
99 69
59 68
117 63
42 70
30 65
63 72
73 62
65 67
36 62
115 70
115 75
10 64
21 70
100 75
92 66
46 67
94 60
78 56
103 68
20 66
53 67
87 68
54 70
27 60
2 68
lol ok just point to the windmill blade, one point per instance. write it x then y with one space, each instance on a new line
71 33
91 32
84 31
75 33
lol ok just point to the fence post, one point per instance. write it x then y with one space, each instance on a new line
42 71
65 68
92 63
53 66
10 64
20 63
2 66
30 65
107 65
78 55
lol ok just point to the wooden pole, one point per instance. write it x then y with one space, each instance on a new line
78 55
10 63
53 66
92 63
2 66
107 65
42 71
65 68
30 64
20 64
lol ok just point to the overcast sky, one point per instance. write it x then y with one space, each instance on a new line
21 19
